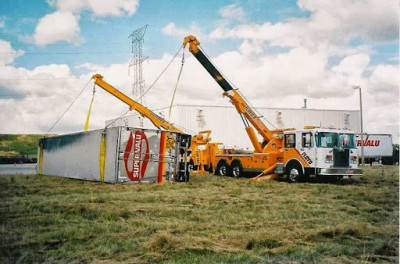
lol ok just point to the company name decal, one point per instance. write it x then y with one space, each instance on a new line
306 157
369 143
135 156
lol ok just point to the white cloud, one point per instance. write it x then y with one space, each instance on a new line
63 25
385 79
7 53
114 8
57 26
280 80
41 95
233 12
268 79
74 6
98 7
373 19
353 64
172 30
334 22
251 47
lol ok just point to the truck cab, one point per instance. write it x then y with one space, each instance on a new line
319 152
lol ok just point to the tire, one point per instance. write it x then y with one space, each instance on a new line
387 160
187 174
191 164
237 169
294 173
183 176
222 168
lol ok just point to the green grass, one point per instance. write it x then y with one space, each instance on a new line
15 145
208 220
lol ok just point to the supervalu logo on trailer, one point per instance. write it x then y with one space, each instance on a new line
136 155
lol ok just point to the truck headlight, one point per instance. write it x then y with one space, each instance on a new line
328 159
353 159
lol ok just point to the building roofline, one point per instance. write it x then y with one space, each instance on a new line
268 108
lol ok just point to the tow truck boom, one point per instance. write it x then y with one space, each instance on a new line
157 120
243 108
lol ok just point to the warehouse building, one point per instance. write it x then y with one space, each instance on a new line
227 126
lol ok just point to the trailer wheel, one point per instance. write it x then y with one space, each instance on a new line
222 168
387 160
294 172
237 169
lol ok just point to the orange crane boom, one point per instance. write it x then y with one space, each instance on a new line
157 120
245 111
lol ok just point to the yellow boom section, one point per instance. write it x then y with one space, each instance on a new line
157 120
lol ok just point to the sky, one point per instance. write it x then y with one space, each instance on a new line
277 52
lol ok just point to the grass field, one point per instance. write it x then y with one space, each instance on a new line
211 219
16 145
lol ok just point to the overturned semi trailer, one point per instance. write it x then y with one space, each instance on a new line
116 155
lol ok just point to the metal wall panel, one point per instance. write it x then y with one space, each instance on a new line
227 126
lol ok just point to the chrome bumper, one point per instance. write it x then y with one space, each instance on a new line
340 172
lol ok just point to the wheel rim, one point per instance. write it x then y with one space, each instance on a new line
222 170
236 171
294 174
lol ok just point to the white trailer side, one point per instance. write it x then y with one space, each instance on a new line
113 155
376 146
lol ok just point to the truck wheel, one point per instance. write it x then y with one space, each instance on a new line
222 168
294 173
237 169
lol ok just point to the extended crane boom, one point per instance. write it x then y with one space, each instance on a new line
287 151
157 120
244 109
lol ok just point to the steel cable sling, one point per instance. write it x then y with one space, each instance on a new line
151 86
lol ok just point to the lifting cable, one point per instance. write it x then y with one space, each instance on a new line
66 110
255 110
87 118
163 71
151 86
86 126
176 85
247 101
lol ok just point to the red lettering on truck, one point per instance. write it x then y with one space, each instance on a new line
140 157
369 143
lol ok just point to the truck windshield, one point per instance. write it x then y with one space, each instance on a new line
326 139
330 140
347 141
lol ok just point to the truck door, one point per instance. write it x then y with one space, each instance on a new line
290 147
307 148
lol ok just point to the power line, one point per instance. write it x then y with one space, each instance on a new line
38 79
13 100
103 44
65 53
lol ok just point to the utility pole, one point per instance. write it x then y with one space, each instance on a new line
361 119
